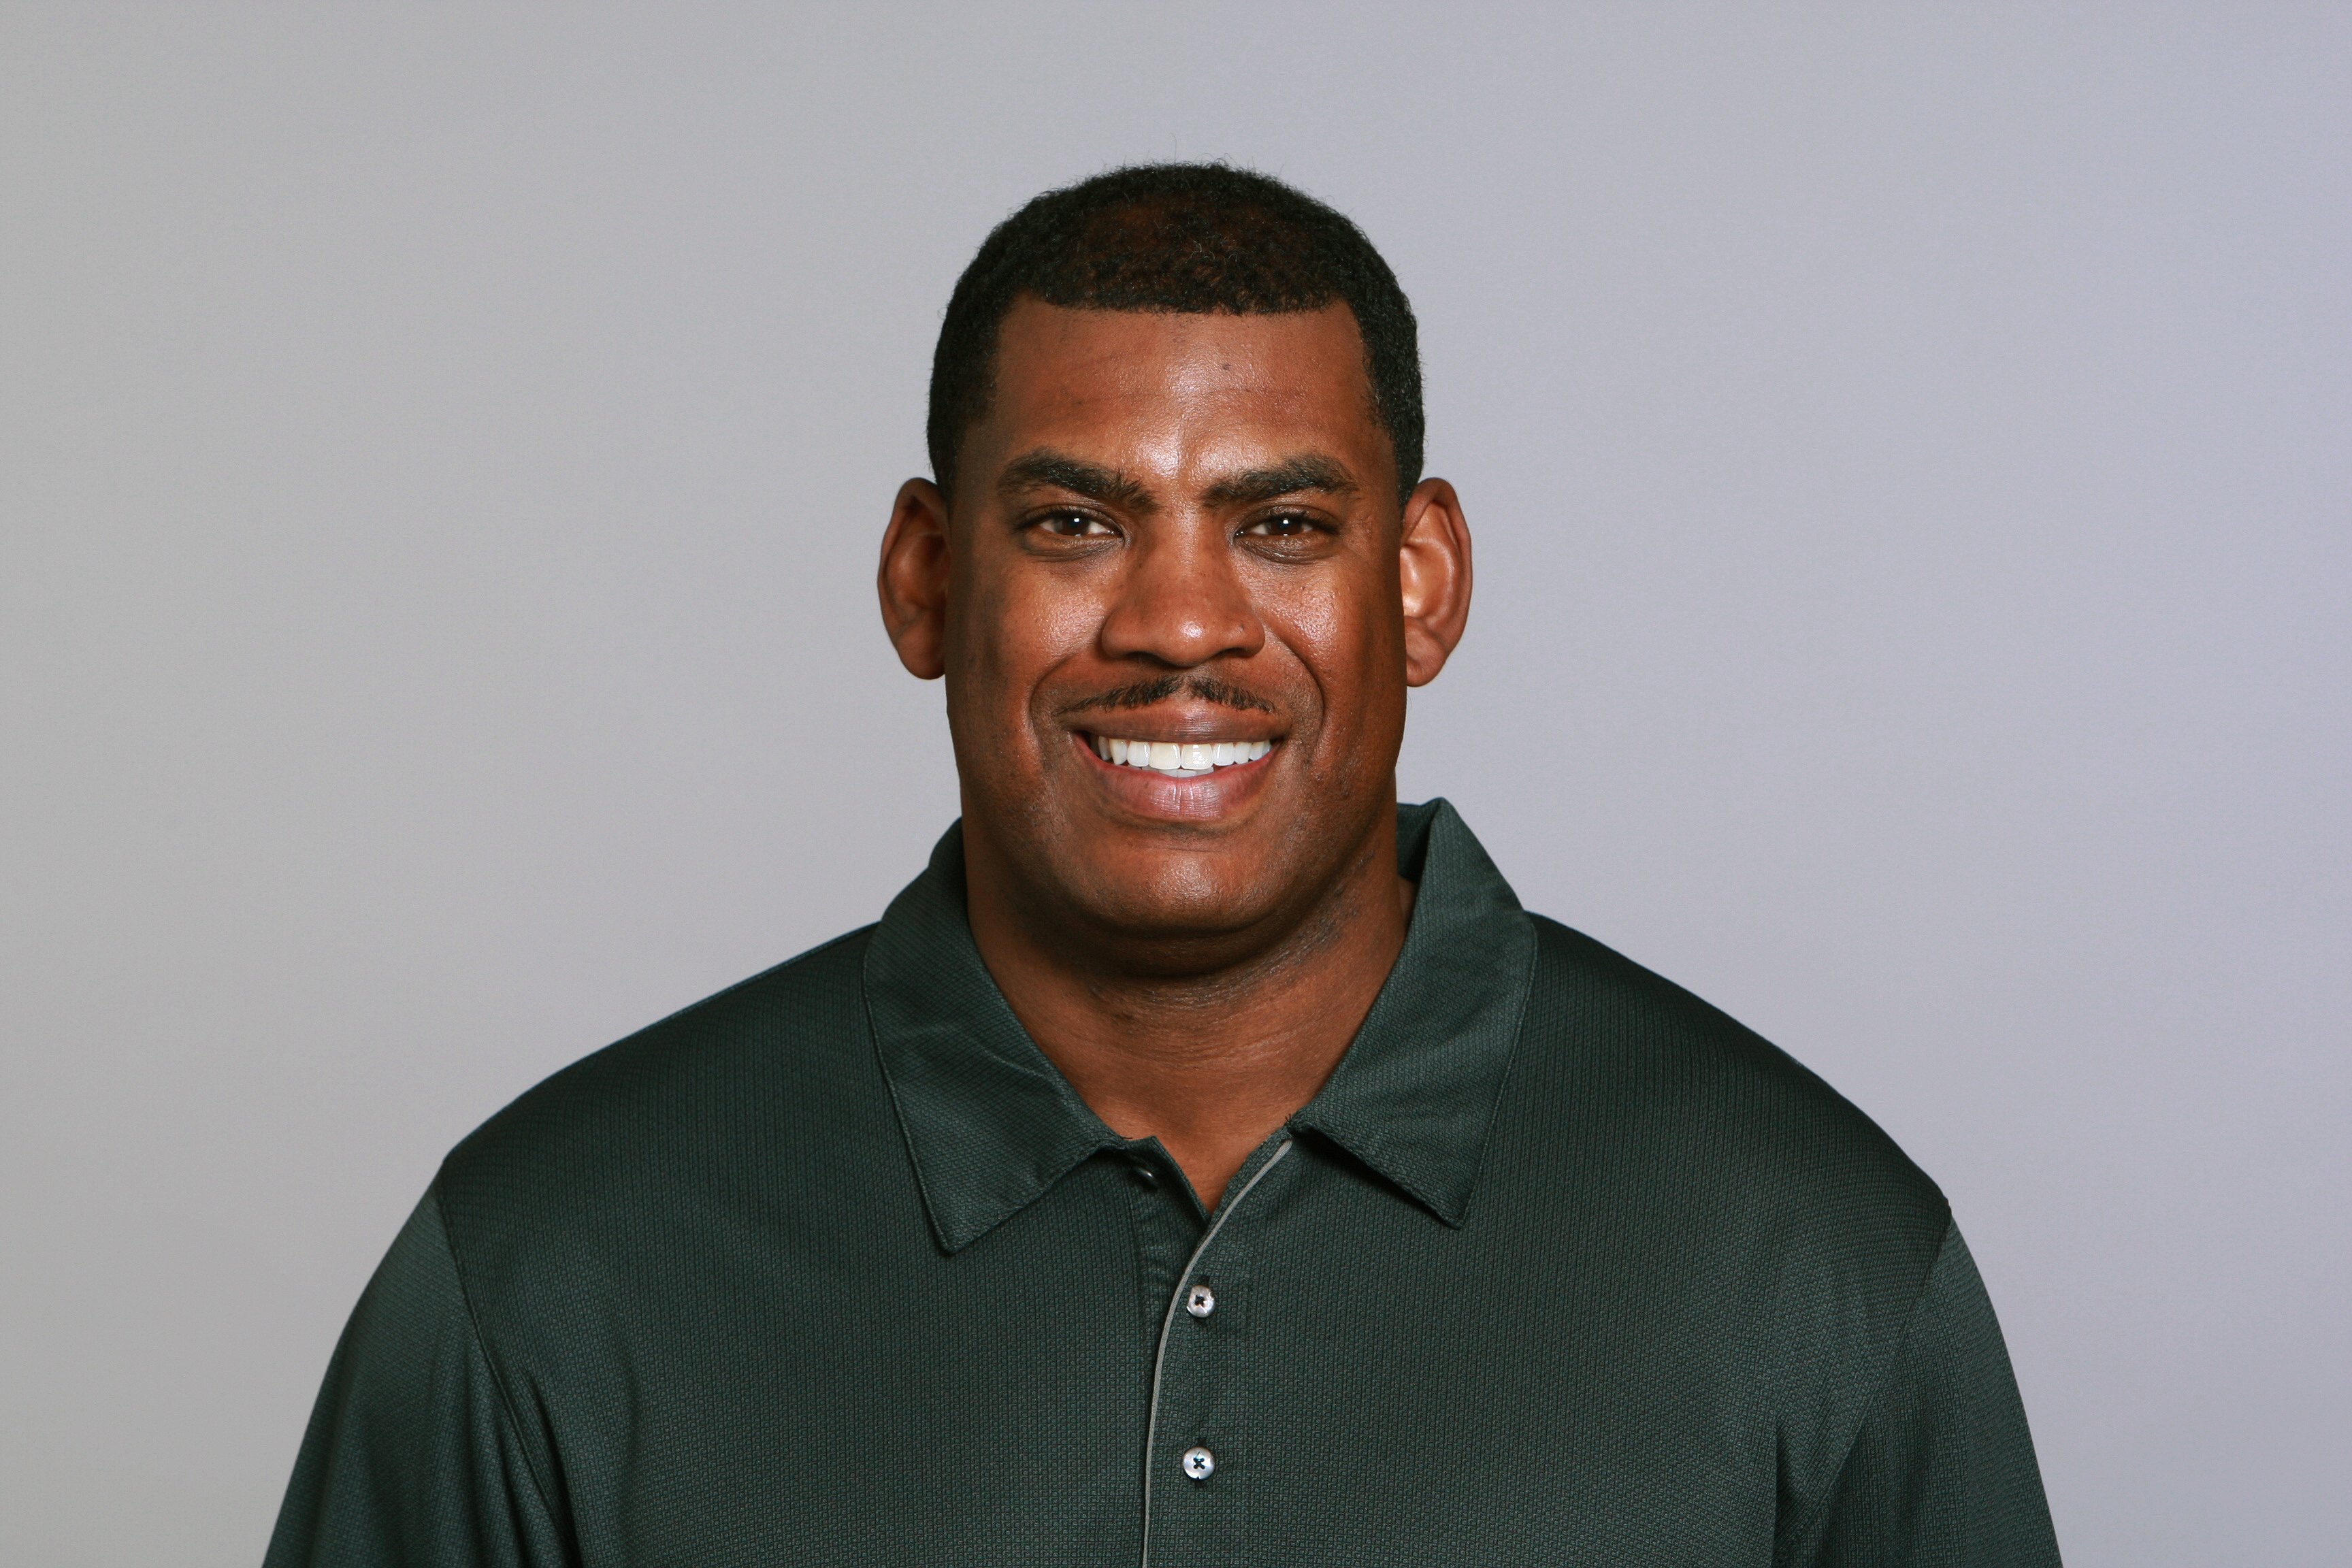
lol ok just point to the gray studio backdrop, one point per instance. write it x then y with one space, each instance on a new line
443 450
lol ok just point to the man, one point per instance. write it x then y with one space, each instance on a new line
1205 1160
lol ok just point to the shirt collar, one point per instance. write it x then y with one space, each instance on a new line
1415 1093
991 1124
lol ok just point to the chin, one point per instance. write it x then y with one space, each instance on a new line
1146 898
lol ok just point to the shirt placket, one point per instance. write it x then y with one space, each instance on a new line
1197 1460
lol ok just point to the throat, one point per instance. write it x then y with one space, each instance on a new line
1209 1065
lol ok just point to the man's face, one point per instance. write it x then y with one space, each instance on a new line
1176 531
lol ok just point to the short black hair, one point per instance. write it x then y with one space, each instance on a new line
1188 237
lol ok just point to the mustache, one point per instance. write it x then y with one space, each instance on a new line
1159 688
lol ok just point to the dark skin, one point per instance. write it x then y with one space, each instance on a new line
1180 529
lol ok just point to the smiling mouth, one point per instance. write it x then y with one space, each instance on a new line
1178 760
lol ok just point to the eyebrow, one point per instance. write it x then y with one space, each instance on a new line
1045 468
1311 471
1092 480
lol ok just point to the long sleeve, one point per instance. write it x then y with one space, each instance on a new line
1941 1473
412 1457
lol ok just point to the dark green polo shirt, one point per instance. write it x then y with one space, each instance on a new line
1561 1266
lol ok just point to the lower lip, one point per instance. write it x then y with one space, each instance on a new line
1203 798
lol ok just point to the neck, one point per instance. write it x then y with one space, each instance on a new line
1208 1057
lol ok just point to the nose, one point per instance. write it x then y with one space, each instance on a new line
1181 602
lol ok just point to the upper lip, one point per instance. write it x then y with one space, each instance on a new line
1181 726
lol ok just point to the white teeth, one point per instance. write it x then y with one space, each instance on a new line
1184 760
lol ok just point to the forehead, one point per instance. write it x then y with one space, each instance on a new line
1165 392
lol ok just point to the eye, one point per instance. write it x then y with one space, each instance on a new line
1282 525
1073 524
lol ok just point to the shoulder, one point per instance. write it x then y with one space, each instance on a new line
769 1074
1627 1068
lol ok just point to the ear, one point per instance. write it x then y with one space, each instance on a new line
1433 570
913 580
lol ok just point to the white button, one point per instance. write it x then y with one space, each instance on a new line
1199 1463
1200 1300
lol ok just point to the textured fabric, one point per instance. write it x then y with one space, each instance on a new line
1563 1266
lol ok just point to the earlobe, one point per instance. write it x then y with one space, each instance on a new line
913 579
1433 575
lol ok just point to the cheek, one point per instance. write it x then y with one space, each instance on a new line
1012 631
1061 621
1345 637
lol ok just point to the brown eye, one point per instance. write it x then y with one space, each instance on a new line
1074 525
1282 525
